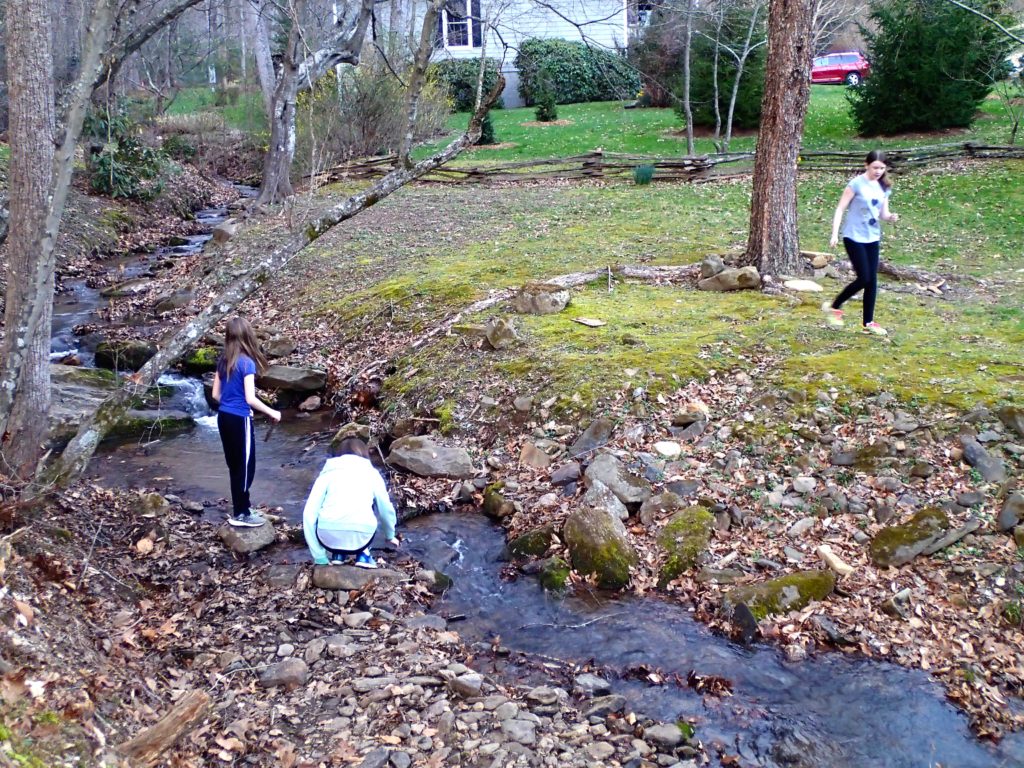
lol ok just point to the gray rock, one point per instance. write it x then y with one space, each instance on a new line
131 287
565 474
520 731
600 496
630 490
599 750
597 434
244 540
124 355
315 650
660 507
501 333
970 498
348 577
426 621
279 346
899 544
224 231
1012 512
664 736
587 684
540 299
605 705
731 280
428 458
711 266
291 379
922 469
804 484
782 594
400 759
598 545
467 686
991 468
290 673
530 455
1013 417
356 620
282 576
800 527
169 302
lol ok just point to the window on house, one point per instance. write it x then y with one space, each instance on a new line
459 25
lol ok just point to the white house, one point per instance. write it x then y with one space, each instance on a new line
463 24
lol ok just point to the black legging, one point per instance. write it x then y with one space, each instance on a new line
864 258
237 436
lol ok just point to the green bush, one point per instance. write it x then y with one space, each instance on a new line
486 131
459 77
932 65
120 164
573 72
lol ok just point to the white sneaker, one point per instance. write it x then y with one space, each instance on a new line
834 317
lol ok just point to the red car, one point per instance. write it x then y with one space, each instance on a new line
849 67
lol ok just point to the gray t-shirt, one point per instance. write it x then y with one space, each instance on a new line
864 216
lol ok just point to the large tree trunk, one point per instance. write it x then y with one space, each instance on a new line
261 50
32 133
773 245
277 164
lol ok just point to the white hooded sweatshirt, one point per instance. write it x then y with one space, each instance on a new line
342 502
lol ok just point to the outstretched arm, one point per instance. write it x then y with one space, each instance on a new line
385 509
837 217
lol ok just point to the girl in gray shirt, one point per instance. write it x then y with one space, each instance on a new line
866 204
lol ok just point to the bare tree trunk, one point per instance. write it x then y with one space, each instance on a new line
261 50
716 58
687 53
32 134
741 62
277 164
419 72
76 455
773 244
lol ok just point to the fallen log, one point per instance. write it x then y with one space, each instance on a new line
149 744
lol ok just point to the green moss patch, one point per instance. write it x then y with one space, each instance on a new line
684 540
598 547
786 593
554 574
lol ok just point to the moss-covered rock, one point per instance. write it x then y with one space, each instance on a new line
1013 417
899 544
124 355
783 594
495 505
135 423
683 540
352 429
200 360
554 574
151 504
532 543
598 546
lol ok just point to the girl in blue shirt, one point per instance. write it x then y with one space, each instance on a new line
867 198
234 388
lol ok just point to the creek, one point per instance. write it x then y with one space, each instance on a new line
828 710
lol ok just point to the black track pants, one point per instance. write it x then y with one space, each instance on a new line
237 435
864 258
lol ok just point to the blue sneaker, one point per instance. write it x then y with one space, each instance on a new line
365 560
337 559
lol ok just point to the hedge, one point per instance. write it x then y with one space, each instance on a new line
574 71
459 76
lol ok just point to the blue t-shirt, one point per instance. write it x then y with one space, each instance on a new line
232 388
864 216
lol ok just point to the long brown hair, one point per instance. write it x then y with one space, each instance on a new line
240 339
879 155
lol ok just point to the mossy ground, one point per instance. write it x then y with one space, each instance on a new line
425 253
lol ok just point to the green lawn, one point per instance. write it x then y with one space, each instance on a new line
655 132
246 114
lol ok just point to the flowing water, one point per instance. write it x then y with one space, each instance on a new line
829 710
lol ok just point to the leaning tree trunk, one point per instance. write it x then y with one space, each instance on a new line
773 245
687 58
32 130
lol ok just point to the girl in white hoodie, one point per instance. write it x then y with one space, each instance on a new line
339 517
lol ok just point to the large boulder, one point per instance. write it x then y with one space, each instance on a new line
711 266
991 468
598 546
224 231
428 458
173 300
351 429
156 423
129 355
292 379
600 496
899 544
540 299
279 346
597 434
1013 417
630 489
200 360
683 540
533 543
1012 512
660 506
783 594
731 280
242 541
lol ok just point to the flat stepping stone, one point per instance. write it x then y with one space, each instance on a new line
348 577
803 286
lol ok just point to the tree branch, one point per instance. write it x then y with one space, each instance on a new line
989 19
